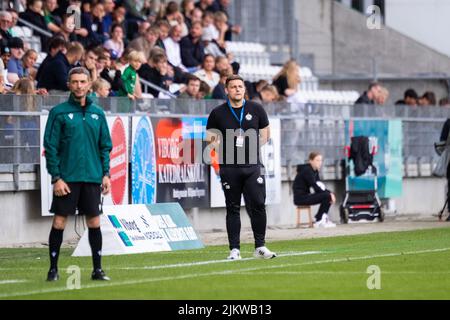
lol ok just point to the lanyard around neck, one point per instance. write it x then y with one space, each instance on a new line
239 119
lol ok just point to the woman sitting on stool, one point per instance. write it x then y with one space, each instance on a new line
308 177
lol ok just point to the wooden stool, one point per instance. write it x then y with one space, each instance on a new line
299 214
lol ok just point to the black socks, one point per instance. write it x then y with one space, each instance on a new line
95 240
54 243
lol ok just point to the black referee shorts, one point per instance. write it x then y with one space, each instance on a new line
84 196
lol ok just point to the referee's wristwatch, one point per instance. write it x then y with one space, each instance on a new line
107 174
55 179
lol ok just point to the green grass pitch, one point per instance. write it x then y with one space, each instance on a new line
412 265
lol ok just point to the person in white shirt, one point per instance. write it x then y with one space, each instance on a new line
172 46
207 72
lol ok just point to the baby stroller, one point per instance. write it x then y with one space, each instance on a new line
361 198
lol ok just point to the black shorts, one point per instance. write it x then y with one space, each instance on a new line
86 197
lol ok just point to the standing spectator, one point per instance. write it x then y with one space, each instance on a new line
192 89
57 69
427 99
146 42
207 72
130 76
55 45
410 98
370 96
77 154
116 42
34 15
14 66
192 50
288 79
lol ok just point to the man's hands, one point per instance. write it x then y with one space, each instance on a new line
106 185
60 188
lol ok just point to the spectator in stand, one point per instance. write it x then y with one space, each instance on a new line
14 66
5 23
15 17
204 5
134 9
109 71
192 89
173 50
370 96
28 61
207 72
197 16
382 97
101 88
187 9
222 63
410 98
118 17
107 21
89 61
57 69
94 24
55 45
156 71
116 42
130 76
253 89
219 92
288 79
222 6
192 50
428 99
444 102
34 15
147 42
268 94
164 28
205 91
52 20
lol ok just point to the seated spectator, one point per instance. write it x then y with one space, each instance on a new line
57 69
382 97
14 66
444 102
288 79
28 61
369 96
204 5
187 9
5 23
428 99
146 42
173 50
93 21
410 98
222 63
5 56
192 50
205 91
207 72
34 15
89 61
308 177
110 72
267 94
164 29
156 71
52 20
116 42
101 88
219 92
222 6
192 89
108 5
3 89
253 89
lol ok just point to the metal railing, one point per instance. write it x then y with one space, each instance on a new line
35 28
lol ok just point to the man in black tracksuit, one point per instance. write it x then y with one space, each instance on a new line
236 130
308 177
444 135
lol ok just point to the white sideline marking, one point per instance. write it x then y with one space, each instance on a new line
12 281
197 275
200 263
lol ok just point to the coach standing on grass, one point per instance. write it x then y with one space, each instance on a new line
77 145
237 129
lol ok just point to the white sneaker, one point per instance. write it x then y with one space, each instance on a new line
264 253
328 222
235 254
319 224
